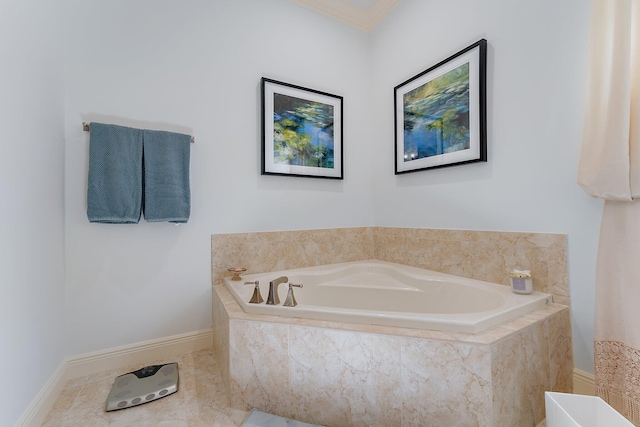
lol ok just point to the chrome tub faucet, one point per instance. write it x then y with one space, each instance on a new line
291 299
273 298
257 297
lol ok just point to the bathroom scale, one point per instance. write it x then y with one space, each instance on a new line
142 386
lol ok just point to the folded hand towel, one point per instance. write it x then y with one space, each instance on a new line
114 194
167 196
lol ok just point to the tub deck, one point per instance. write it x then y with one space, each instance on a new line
387 294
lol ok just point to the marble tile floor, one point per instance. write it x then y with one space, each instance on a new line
199 402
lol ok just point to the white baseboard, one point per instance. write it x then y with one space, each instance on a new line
44 400
119 357
100 361
584 382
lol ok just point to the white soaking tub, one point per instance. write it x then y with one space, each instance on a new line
382 293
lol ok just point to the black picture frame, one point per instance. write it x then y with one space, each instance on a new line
441 115
302 131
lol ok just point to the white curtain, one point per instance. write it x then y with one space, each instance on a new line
610 169
610 158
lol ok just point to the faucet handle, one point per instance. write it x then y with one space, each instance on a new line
291 299
257 297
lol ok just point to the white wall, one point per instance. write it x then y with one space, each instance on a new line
196 66
31 192
536 80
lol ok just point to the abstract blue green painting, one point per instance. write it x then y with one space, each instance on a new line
436 116
440 114
301 131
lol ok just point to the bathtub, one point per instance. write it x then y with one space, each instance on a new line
387 294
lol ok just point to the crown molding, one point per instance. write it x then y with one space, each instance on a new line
342 10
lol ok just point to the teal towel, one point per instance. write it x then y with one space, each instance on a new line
114 193
167 196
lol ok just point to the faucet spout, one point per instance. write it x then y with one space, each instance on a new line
273 298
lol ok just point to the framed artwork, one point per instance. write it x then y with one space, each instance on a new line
301 131
440 114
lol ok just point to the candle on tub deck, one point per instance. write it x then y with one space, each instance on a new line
521 282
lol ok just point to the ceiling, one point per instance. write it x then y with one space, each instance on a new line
364 4
362 14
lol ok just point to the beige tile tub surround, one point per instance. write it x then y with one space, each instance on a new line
283 250
359 375
482 255
342 374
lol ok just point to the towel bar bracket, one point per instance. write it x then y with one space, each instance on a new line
85 127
